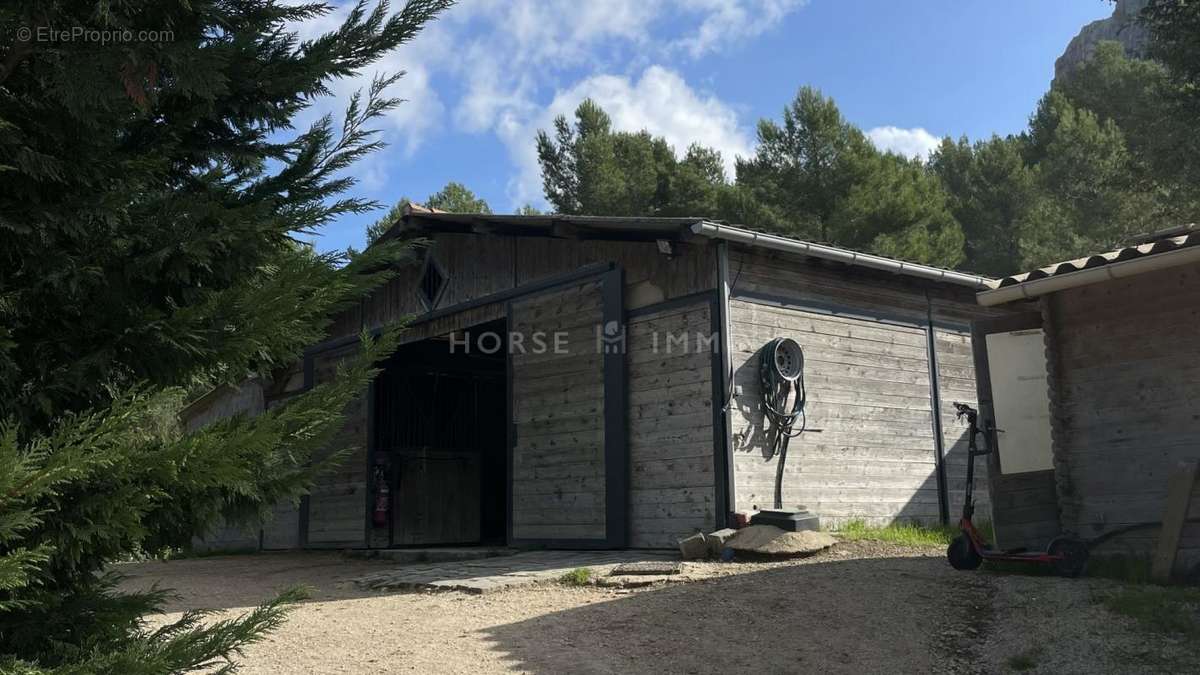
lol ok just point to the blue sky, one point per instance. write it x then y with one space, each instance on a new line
489 73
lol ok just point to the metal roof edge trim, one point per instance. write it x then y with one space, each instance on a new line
778 243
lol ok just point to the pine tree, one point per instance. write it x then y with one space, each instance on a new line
805 165
1088 179
591 169
818 177
151 200
1175 42
388 220
992 193
454 198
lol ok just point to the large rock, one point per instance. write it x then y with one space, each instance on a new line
770 540
1122 26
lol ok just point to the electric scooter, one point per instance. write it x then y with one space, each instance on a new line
1067 556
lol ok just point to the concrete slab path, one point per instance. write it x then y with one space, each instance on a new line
493 574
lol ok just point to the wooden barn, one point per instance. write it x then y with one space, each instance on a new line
1095 380
570 381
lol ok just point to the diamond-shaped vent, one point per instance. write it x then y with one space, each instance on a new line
433 283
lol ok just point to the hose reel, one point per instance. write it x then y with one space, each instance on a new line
788 358
781 382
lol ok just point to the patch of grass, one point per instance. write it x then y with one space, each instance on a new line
1158 609
580 576
1026 660
904 534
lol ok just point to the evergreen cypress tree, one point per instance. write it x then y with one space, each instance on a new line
152 189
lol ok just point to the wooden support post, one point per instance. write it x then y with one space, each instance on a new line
1179 492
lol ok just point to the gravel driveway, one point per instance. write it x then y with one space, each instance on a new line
861 607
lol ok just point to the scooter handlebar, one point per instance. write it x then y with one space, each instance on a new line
964 409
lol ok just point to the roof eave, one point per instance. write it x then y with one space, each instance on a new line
1060 282
854 258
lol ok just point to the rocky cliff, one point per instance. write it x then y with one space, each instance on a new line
1122 26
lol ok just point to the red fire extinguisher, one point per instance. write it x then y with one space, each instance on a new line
382 499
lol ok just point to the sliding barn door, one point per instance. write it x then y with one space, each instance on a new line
1014 405
567 410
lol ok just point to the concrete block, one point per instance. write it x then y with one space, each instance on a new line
715 541
693 547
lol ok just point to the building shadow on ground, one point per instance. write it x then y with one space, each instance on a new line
863 615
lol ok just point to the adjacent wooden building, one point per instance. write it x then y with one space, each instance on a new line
1095 380
592 382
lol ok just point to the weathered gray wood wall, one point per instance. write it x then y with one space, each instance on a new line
282 529
224 402
671 442
810 281
1025 509
483 265
870 451
337 502
480 265
956 384
218 404
1127 356
558 459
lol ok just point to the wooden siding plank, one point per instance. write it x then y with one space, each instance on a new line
558 462
337 500
956 378
869 450
1129 376
670 427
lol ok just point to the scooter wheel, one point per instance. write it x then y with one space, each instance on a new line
1074 556
962 555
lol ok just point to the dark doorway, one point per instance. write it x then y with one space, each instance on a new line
441 438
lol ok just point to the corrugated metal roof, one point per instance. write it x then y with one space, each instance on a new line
1163 241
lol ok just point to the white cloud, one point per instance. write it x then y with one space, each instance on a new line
915 142
728 21
509 51
507 58
560 31
660 101
512 55
568 31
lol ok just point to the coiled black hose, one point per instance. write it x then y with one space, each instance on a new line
781 419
